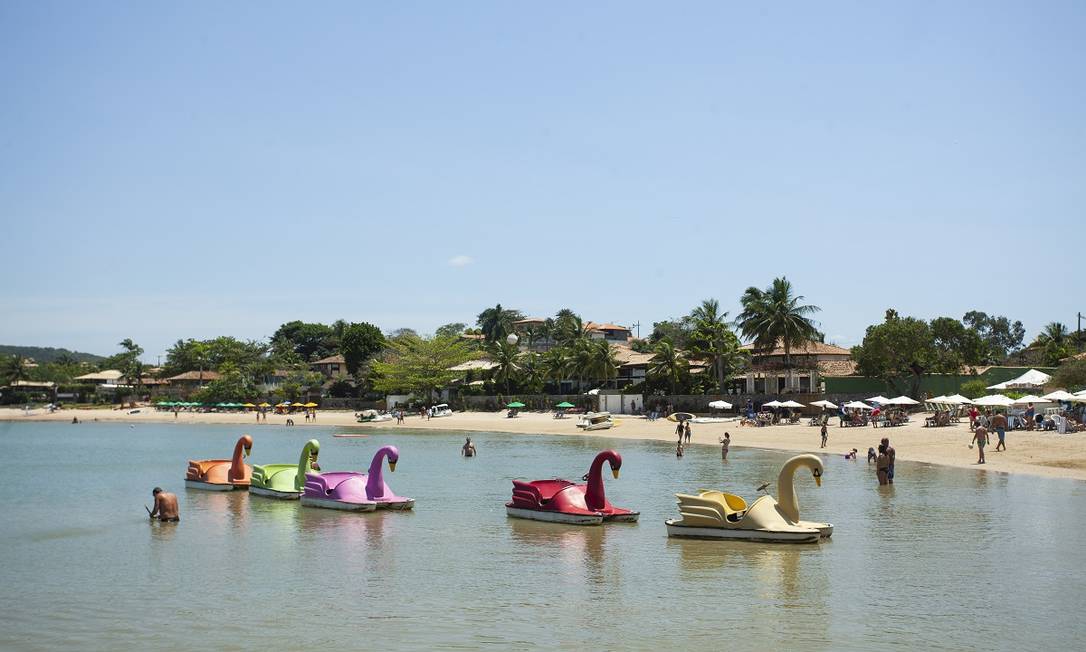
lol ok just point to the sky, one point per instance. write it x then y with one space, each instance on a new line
195 169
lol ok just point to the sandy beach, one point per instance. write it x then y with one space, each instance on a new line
1034 453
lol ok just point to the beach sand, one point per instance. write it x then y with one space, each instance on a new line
1034 453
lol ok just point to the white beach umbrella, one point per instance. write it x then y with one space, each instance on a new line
1059 395
856 405
772 404
1031 378
880 399
720 405
792 404
1030 398
903 400
1078 398
824 404
942 400
994 400
958 399
1081 393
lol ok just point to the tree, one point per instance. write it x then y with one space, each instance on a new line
419 365
12 369
128 362
1071 375
567 328
1000 335
955 345
507 357
310 341
973 388
556 363
358 343
533 372
667 365
231 385
1054 339
603 365
900 351
713 339
775 315
676 331
450 330
497 322
401 333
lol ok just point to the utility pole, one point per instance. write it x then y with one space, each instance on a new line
638 326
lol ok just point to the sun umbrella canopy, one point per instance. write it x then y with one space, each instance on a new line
994 400
310 404
720 405
942 400
247 405
264 404
903 400
565 404
680 416
959 399
792 404
857 405
1030 398
880 399
1059 395
772 404
515 404
824 404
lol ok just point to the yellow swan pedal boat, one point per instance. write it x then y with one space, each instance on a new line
712 514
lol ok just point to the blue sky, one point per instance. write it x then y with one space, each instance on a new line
195 169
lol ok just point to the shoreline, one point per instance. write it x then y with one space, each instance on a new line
1043 454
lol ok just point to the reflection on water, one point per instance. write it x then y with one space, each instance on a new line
906 561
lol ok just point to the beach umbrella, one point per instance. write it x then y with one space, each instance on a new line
1030 379
792 404
773 404
994 400
880 399
680 416
1030 398
515 404
824 404
1059 395
857 405
941 400
720 405
248 405
310 404
264 404
959 399
565 404
1081 393
903 400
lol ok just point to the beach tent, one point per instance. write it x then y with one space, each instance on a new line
857 405
792 404
1059 395
880 399
1028 380
824 404
994 400
720 405
903 400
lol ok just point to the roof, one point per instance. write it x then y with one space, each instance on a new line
332 359
481 364
154 381
529 320
808 348
109 374
628 357
196 375
33 383
593 326
1077 356
836 368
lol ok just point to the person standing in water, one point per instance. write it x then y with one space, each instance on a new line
468 450
882 464
687 431
725 444
892 454
165 506
679 431
825 435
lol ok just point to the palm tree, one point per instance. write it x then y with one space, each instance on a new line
497 322
581 361
12 369
667 363
556 363
775 315
507 357
1053 333
604 365
712 338
533 372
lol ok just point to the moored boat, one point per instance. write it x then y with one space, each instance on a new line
563 501
285 481
222 475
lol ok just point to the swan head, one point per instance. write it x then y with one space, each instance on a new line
817 473
393 454
247 445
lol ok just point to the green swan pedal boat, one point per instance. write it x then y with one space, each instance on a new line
285 481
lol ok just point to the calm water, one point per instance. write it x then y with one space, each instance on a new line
948 559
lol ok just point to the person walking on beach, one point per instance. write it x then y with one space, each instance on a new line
980 438
882 465
973 417
892 455
687 432
468 449
999 422
165 506
825 435
679 430
725 444
1030 412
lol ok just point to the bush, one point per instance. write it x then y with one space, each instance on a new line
1071 375
973 388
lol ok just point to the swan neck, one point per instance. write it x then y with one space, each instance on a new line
786 490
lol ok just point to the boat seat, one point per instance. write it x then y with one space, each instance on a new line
711 507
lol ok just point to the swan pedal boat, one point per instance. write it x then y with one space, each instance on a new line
562 501
284 481
718 515
222 475
356 492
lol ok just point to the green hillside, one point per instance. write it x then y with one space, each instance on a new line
44 354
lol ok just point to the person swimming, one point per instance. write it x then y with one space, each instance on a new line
165 506
468 449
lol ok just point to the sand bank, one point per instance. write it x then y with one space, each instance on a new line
1033 453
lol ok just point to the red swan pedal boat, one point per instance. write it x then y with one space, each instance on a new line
562 501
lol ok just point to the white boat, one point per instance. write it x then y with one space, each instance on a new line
440 410
554 517
373 416
596 421
777 535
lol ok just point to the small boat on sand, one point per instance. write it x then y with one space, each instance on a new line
596 421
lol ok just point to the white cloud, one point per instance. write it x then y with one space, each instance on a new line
461 260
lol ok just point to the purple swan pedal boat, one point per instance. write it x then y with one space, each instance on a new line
353 491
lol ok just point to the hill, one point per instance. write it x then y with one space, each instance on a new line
44 354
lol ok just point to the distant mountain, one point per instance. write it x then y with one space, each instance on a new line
44 354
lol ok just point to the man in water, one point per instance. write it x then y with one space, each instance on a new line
469 448
165 506
725 444
892 455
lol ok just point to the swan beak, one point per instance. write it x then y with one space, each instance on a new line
614 472
246 451
818 480
391 466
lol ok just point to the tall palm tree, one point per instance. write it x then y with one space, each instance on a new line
533 372
556 363
712 338
12 369
604 364
667 363
776 315
581 361
1053 333
497 322
507 357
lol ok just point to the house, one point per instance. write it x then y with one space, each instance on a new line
39 389
333 366
810 362
110 377
610 332
632 366
190 381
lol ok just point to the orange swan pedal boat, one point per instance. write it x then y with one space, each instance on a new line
562 501
222 475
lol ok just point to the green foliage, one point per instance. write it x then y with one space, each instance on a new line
1071 375
973 388
12 369
450 330
900 351
776 315
667 365
309 341
955 346
712 339
1000 336
497 322
507 357
419 365
343 388
231 386
358 343
676 331
46 354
